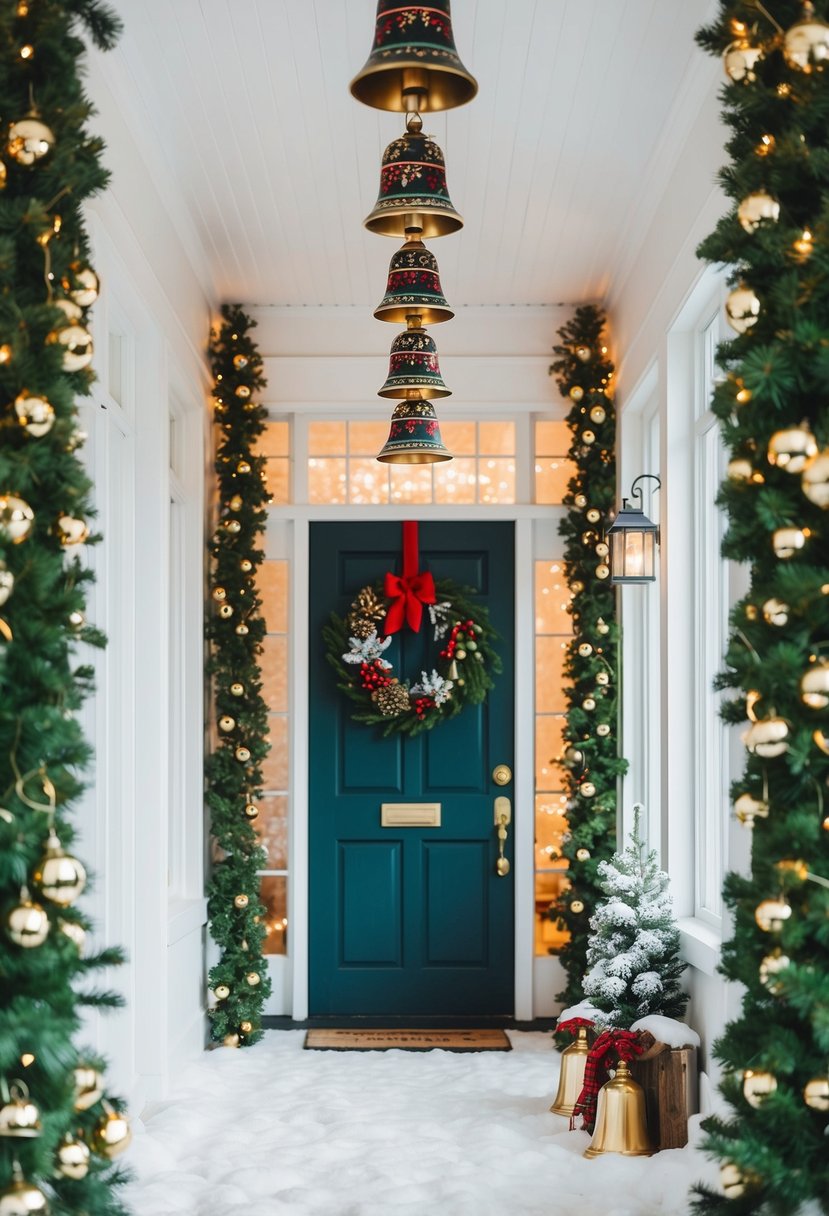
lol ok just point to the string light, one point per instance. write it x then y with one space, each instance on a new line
803 245
765 145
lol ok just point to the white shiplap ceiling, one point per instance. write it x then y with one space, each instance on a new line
556 165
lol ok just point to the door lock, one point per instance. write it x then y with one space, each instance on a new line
503 817
502 774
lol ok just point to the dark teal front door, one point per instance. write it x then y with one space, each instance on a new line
409 921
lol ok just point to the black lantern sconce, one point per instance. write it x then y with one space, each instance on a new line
633 539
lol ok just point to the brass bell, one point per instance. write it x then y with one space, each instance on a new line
414 435
620 1118
414 366
571 1078
413 287
413 195
413 63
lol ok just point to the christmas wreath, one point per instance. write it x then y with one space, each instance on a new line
356 645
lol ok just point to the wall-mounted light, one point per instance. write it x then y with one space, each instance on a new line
633 539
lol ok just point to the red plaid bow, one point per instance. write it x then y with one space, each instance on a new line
624 1045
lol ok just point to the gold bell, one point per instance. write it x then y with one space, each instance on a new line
571 1078
620 1118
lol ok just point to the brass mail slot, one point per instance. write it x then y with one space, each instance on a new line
410 814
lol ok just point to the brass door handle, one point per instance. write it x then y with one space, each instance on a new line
503 816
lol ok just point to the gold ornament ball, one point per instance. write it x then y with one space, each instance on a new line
60 877
230 1040
112 1135
27 924
589 703
603 730
219 594
576 393
242 754
19 1118
83 286
221 992
602 679
22 1198
577 906
757 208
580 501
816 1093
588 437
75 932
242 629
583 353
242 392
602 626
742 308
740 60
16 518
601 549
732 1180
246 1027
77 346
225 611
585 650
573 757
29 140
582 854
237 689
235 503
243 467
587 789
772 970
6 582
792 449
251 811
598 414
814 685
69 309
815 480
233 526
768 738
89 1086
747 809
594 515
241 901
73 1159
35 414
775 612
252 978
757 1086
226 723
772 914
739 469
71 531
603 571
246 565
806 44
240 362
787 541
577 586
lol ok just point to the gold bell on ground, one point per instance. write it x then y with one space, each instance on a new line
571 1078
620 1118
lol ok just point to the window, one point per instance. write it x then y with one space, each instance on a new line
553 468
272 823
275 445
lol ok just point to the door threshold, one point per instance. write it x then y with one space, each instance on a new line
413 1022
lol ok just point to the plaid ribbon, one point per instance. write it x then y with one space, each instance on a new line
621 1044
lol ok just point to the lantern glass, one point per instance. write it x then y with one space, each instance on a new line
633 540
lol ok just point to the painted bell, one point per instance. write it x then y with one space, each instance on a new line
621 1126
413 196
571 1078
413 365
414 435
413 287
413 63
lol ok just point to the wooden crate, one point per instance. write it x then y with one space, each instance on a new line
670 1081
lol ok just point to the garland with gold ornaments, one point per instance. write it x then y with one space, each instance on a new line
59 1129
591 761
773 408
235 629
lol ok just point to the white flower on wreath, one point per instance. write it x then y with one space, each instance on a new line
440 616
434 686
367 650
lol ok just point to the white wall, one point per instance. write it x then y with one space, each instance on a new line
146 420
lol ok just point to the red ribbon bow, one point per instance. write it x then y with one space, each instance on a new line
625 1045
409 591
573 1026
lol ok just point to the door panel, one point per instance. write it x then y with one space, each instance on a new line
409 921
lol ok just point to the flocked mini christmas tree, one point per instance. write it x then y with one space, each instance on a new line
591 759
235 629
633 963
58 1129
773 406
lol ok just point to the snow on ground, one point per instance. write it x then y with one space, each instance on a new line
273 1130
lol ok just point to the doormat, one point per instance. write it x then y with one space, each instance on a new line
407 1040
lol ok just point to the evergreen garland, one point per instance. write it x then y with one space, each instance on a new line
591 757
773 409
236 628
57 1143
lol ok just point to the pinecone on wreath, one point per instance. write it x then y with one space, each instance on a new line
360 627
392 700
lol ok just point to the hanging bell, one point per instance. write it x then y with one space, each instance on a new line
414 435
413 196
413 63
414 367
413 287
620 1118
571 1078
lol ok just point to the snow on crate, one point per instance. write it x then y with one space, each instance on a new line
670 1031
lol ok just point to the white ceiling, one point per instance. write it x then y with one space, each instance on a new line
556 166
